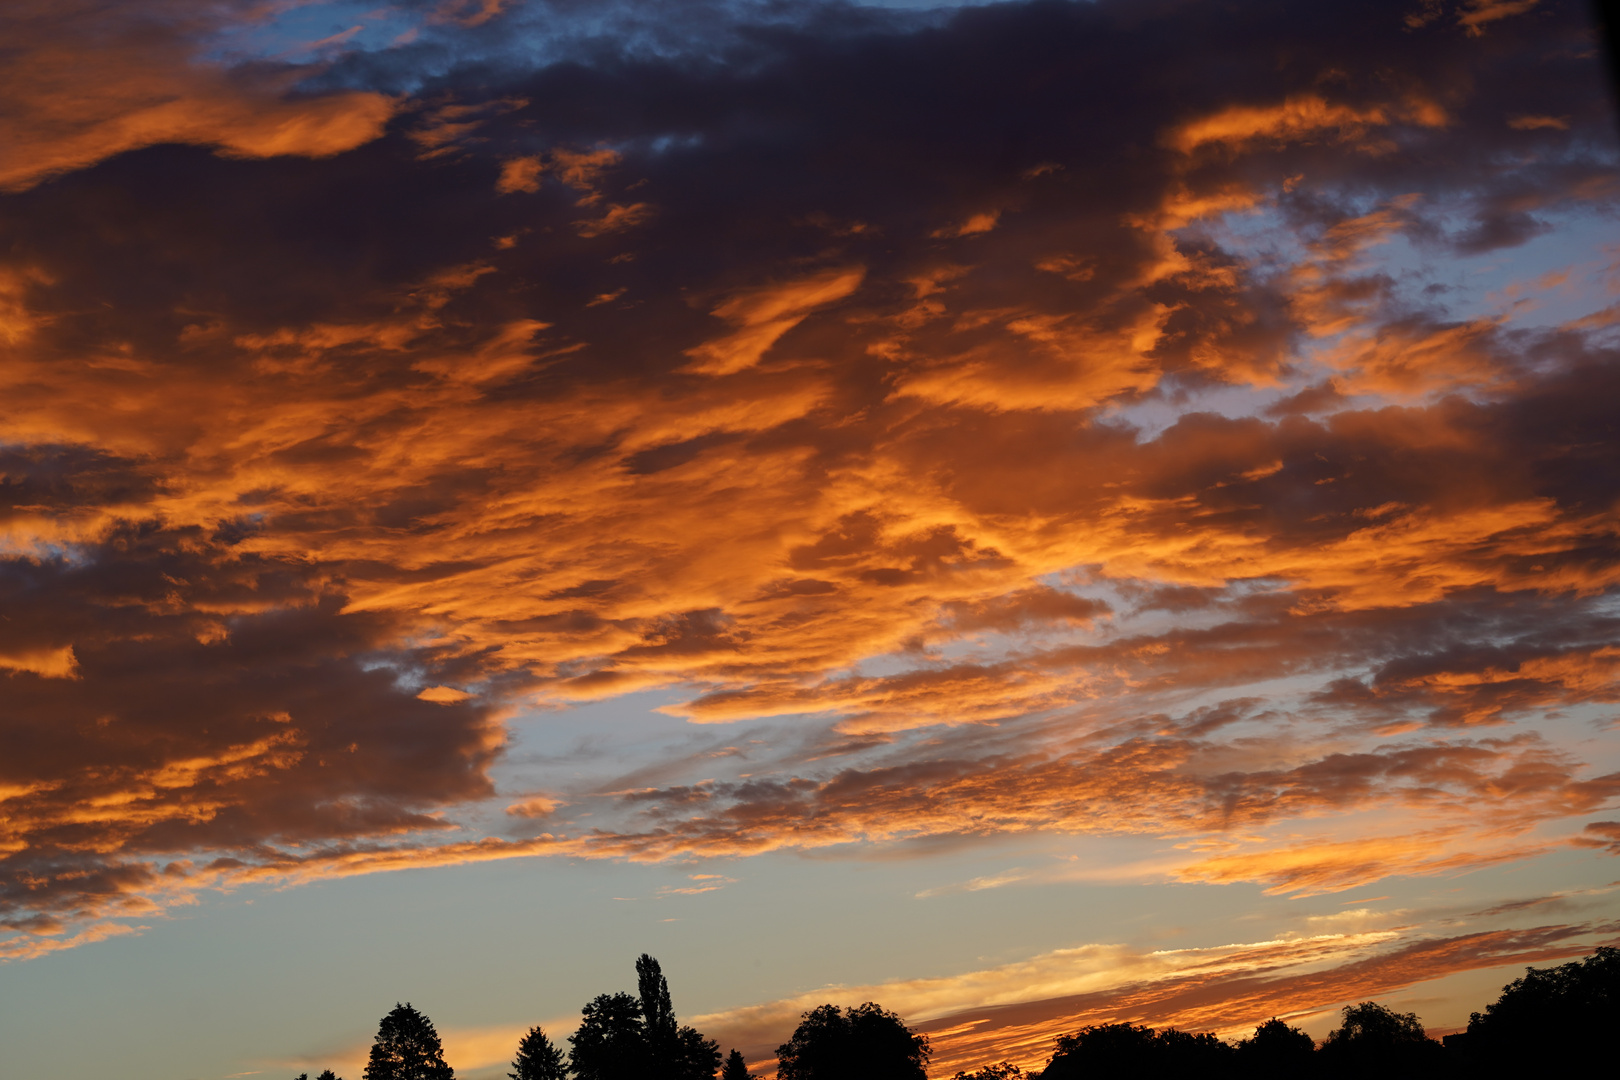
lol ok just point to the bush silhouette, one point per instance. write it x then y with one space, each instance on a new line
1377 1041
867 1043
407 1048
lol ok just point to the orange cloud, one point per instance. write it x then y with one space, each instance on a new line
1202 539
72 103
1477 13
763 315
1297 118
58 663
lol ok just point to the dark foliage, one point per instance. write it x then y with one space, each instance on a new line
867 1043
328 1074
696 1058
611 1042
657 1014
407 1048
1377 1041
1275 1051
1579 1000
538 1058
674 1052
637 1038
1002 1070
1138 1050
736 1068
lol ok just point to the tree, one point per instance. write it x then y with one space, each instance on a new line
736 1068
637 1038
658 1021
328 1074
1276 1050
610 1043
537 1058
869 1043
1136 1050
1549 1018
696 1058
1002 1070
1376 1041
674 1052
407 1048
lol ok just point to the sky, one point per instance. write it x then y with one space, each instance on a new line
1033 514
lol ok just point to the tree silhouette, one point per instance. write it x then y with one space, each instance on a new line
610 1043
736 1068
696 1058
869 1043
1129 1049
407 1048
1002 1070
328 1074
658 1019
1549 1017
1376 1041
537 1058
1275 1051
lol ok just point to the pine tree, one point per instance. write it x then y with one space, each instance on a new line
407 1048
537 1058
736 1068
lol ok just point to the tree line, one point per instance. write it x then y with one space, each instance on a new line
1557 1017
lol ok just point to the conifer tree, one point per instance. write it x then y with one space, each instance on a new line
537 1058
407 1048
736 1068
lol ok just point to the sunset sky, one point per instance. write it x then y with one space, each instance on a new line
1030 513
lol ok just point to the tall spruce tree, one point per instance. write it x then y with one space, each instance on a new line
736 1068
537 1058
407 1048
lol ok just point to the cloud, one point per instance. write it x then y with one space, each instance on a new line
1015 1011
762 315
47 663
75 99
555 376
